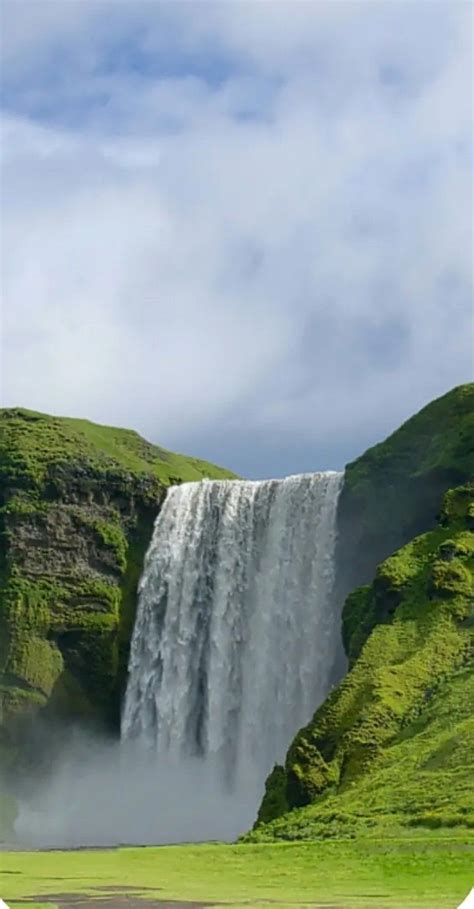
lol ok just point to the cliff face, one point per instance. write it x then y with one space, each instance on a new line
393 745
77 504
405 705
394 491
77 507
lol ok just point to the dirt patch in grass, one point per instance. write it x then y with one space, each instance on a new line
122 898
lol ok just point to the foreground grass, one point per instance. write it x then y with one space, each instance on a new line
419 872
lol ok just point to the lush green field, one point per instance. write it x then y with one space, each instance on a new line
423 871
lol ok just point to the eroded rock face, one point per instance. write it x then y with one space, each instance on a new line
77 505
394 491
417 480
62 541
422 646
71 564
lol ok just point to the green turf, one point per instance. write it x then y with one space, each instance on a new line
32 905
421 871
31 443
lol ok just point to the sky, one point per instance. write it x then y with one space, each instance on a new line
243 228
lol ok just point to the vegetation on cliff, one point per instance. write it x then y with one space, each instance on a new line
34 445
391 748
393 492
77 504
393 745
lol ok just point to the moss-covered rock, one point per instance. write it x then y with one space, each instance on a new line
275 800
77 505
393 492
421 649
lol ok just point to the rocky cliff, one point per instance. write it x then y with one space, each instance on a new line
395 490
393 744
77 507
76 513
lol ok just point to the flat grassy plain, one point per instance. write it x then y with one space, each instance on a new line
425 871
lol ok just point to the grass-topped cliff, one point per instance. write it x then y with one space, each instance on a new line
34 445
77 504
393 745
394 490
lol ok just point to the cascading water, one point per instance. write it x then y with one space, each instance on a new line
235 635
233 648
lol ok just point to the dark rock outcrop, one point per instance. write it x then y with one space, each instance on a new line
394 492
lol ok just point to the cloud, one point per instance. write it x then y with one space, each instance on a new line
245 232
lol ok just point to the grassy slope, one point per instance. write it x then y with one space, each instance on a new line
420 872
439 437
30 443
393 746
394 491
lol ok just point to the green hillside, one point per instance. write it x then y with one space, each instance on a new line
394 491
391 749
77 505
32 444
393 746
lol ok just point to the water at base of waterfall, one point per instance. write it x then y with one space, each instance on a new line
235 634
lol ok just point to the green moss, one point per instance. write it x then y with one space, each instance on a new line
53 629
441 436
457 505
433 564
77 504
36 661
33 446
451 579
274 801
52 626
423 778
113 536
358 618
402 716
15 701
393 492
20 506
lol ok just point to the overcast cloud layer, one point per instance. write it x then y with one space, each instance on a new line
242 228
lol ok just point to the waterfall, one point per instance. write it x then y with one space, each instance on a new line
235 634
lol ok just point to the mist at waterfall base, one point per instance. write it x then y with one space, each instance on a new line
235 644
108 793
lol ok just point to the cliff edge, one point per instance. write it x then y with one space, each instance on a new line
77 506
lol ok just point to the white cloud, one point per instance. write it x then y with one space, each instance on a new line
281 248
